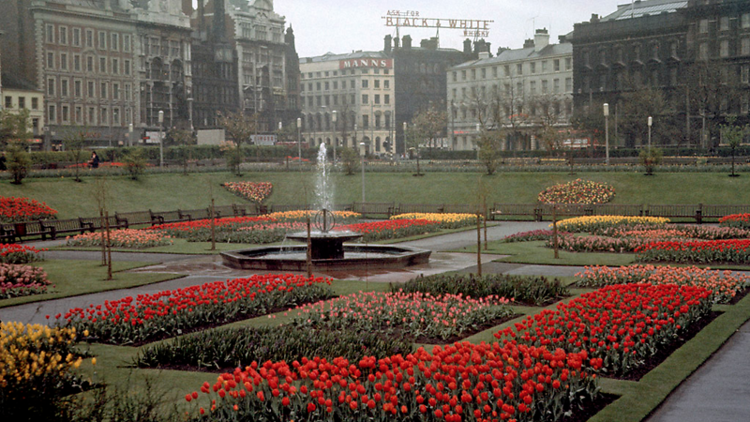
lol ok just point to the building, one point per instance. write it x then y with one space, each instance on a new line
18 95
102 64
519 90
420 76
244 60
347 99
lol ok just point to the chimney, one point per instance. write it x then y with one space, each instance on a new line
467 46
387 44
406 39
429 44
396 43
594 18
484 55
541 39
528 43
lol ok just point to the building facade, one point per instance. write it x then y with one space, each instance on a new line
347 99
18 95
518 91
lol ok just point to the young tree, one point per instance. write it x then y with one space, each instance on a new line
650 158
183 140
14 126
430 124
350 160
19 161
74 139
733 134
135 163
239 127
489 149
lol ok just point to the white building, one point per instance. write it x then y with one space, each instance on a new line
356 88
519 90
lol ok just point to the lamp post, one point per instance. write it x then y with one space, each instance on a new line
650 122
161 139
479 130
362 147
130 134
606 130
335 139
405 149
299 140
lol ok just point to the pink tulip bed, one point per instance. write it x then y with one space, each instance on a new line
22 280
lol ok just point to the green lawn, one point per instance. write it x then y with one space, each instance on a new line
157 191
74 278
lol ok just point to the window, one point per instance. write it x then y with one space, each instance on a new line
103 118
377 98
364 83
386 99
115 91
115 66
115 41
127 91
724 23
519 69
544 65
556 65
51 87
703 51
89 38
89 63
102 40
126 69
102 65
568 63
8 101
50 31
365 121
532 66
724 48
116 115
92 116
77 91
327 86
377 83
63 35
126 43
463 75
455 76
103 90
63 87
52 113
77 37
35 103
386 84
745 20
63 61
65 113
568 84
473 74
77 62
544 86
556 86
90 89
21 103
174 48
50 60
335 85
703 26
745 74
364 99
532 87
484 73
78 114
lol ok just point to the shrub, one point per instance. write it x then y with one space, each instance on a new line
527 290
578 191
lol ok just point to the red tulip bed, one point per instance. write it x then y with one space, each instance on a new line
702 252
392 229
150 317
22 280
736 220
578 191
13 253
724 285
122 238
252 191
13 210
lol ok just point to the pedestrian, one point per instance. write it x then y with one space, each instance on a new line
3 160
94 162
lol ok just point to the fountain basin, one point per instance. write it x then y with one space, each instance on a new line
294 258
326 245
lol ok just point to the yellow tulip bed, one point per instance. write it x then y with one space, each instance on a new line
446 220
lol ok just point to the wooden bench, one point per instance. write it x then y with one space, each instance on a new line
8 233
517 210
718 211
675 211
461 208
384 209
618 209
419 208
135 218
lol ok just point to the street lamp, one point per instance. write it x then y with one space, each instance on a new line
362 147
161 139
299 140
650 122
335 139
130 134
606 130
405 149
479 130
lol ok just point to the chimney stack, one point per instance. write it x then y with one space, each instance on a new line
541 39
387 44
406 39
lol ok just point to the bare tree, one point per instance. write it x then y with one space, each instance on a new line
239 127
74 139
183 140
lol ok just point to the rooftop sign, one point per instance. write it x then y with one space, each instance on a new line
412 19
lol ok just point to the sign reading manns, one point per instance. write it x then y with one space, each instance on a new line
366 62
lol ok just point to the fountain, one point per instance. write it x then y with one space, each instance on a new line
327 249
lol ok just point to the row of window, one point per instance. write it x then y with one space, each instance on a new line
724 23
558 109
543 87
22 102
260 32
323 122
727 48
350 99
326 86
64 89
155 46
344 72
655 78
88 115
531 67
78 37
89 63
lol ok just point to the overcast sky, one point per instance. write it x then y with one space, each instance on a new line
340 26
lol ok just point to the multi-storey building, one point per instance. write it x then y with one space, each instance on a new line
102 64
18 95
518 91
347 99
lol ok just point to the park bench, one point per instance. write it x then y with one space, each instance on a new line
675 211
419 208
718 211
461 208
618 209
97 223
384 209
284 208
517 210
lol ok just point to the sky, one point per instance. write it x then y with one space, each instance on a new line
342 26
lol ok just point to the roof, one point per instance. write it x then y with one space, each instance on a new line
12 82
520 54
641 8
334 57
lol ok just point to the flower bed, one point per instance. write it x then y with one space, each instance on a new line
704 252
392 229
459 382
416 315
173 312
35 367
573 243
578 191
14 253
531 236
597 224
122 238
741 221
238 347
446 220
252 191
301 215
13 210
174 229
724 285
619 326
533 291
22 280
